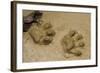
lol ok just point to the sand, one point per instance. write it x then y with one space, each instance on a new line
62 23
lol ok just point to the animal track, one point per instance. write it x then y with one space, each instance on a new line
73 43
42 33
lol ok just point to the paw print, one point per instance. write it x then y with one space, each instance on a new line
42 33
73 43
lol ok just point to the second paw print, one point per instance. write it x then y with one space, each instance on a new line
73 43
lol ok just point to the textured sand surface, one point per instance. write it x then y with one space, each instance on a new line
62 23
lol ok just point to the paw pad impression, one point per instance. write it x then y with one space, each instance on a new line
72 43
